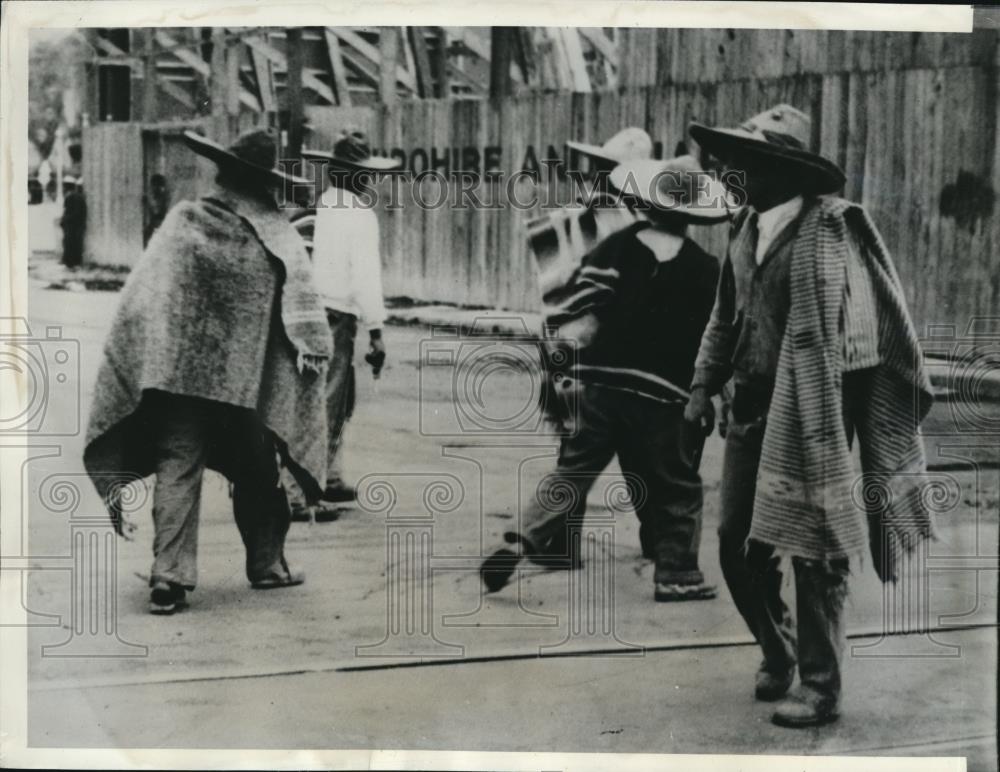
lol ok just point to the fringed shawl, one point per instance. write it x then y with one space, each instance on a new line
810 501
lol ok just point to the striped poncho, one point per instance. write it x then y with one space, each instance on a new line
810 501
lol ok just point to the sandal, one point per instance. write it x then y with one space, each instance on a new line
665 593
327 511
288 579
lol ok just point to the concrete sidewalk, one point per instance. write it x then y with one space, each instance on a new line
483 321
692 701
235 648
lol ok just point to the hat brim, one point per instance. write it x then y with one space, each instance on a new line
595 151
223 158
824 175
305 224
375 163
717 205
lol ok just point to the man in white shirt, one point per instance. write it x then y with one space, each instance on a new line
347 268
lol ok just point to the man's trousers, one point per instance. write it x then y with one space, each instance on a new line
339 401
752 570
340 390
72 246
659 453
186 433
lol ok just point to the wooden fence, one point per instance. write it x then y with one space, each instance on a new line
118 161
113 185
918 141
660 56
919 148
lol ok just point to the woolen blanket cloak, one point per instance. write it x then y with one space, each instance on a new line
220 306
810 502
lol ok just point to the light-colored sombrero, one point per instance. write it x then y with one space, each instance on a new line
627 145
676 185
781 134
254 154
353 151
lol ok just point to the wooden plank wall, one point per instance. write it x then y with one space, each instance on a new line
165 152
118 160
911 118
113 179
905 138
661 56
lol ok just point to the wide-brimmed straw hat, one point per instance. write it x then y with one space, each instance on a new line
676 185
253 154
353 151
627 145
781 134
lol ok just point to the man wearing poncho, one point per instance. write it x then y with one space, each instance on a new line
811 324
216 358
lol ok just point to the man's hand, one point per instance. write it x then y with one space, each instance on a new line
580 331
700 410
376 352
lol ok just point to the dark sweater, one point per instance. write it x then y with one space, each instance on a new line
650 315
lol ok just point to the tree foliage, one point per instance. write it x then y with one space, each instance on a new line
52 67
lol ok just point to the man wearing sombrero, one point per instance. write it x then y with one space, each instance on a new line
347 265
559 240
629 144
811 324
216 358
637 309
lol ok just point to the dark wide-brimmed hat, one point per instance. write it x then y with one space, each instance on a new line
352 151
628 144
677 185
253 154
781 134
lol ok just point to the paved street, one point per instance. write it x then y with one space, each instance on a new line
393 582
693 701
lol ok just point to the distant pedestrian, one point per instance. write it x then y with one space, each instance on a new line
811 323
73 222
347 265
636 308
216 358
157 202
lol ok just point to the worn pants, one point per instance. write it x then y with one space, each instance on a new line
752 570
186 432
659 453
72 246
339 401
339 390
